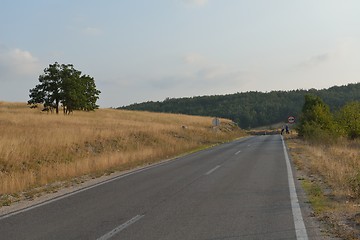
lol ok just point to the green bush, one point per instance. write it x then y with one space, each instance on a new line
348 119
316 121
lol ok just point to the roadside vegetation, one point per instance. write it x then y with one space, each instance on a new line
38 149
318 124
327 154
330 177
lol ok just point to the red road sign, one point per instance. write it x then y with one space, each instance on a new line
291 119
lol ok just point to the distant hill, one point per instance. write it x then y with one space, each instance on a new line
252 109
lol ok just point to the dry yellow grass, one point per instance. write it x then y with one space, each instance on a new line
337 164
38 148
335 169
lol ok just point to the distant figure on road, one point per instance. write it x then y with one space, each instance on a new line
287 129
282 130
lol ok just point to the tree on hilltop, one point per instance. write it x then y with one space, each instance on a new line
63 84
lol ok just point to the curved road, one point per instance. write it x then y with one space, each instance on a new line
238 190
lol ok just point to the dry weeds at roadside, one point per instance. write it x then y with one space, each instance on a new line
334 168
38 148
337 164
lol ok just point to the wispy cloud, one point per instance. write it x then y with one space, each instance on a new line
204 68
316 60
345 51
17 62
92 31
196 2
195 59
197 72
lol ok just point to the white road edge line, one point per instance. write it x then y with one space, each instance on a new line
212 170
238 152
121 227
300 229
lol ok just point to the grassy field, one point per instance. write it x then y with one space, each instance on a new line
331 178
37 148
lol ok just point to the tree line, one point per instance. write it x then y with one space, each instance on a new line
317 122
252 109
62 85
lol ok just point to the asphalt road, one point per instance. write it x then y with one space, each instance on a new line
238 190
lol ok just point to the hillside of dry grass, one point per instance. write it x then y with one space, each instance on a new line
37 148
331 178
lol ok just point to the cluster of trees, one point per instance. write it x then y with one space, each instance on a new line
318 122
252 109
63 85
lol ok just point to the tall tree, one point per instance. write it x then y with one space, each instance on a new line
63 84
316 118
349 119
90 93
48 92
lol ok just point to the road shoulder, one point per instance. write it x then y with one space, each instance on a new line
323 225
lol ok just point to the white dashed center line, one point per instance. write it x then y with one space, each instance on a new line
212 170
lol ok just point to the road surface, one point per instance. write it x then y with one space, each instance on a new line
238 190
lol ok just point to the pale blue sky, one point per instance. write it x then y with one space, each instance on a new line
141 50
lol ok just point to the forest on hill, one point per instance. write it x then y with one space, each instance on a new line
252 109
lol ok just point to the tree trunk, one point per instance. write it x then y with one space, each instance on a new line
57 106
